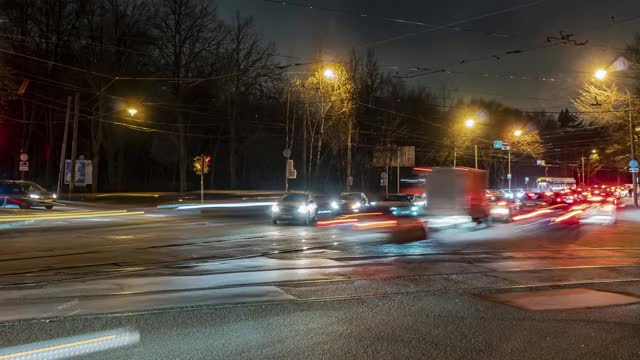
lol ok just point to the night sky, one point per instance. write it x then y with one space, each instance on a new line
303 32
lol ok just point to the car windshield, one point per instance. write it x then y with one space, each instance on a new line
294 198
350 197
397 197
31 187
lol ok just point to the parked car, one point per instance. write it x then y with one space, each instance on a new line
25 194
295 207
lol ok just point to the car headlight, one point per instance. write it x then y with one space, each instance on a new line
356 206
303 208
34 196
334 205
54 196
414 208
275 208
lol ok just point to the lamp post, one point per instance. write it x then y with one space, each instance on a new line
516 133
601 74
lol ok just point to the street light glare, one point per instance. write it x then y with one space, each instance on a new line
132 111
517 132
329 74
594 151
600 74
469 123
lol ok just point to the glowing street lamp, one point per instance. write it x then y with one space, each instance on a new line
132 111
469 122
329 73
594 151
600 74
517 133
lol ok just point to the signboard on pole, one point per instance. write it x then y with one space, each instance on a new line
24 166
84 172
291 171
497 144
505 146
24 157
632 164
633 170
394 156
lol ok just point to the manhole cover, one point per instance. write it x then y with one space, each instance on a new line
562 299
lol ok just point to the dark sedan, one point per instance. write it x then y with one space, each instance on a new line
25 194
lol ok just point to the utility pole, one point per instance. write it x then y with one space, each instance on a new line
287 151
398 168
475 148
202 179
634 176
63 151
583 182
454 157
74 146
509 172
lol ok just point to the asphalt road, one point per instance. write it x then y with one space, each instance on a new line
207 285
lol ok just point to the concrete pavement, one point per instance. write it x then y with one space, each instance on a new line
171 273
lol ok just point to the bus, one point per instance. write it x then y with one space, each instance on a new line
554 183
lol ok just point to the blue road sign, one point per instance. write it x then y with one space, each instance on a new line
633 163
497 144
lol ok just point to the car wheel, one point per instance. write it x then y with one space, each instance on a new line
48 207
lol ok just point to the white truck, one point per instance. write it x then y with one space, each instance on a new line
456 197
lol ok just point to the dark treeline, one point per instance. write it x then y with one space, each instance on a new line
201 84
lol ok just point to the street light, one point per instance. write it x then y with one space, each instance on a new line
329 73
469 123
517 133
601 74
594 151
132 111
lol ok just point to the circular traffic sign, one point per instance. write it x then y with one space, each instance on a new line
24 157
633 163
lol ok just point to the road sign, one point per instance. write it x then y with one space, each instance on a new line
291 171
505 146
24 157
633 170
286 152
497 144
632 164
508 176
84 171
24 166
383 175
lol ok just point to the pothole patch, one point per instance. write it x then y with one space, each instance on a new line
562 299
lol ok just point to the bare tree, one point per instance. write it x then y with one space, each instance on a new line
188 37
254 76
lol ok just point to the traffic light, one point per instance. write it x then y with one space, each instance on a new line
207 163
202 164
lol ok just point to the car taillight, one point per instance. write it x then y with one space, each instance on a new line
502 203
610 199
